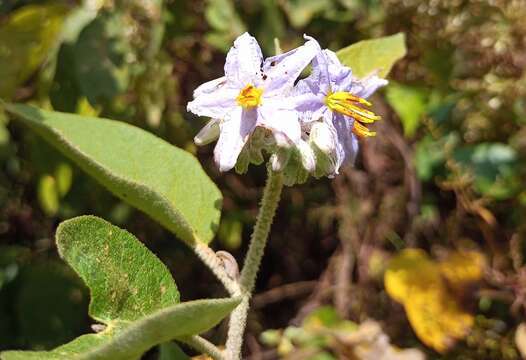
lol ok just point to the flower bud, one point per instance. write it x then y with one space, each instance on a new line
208 134
324 142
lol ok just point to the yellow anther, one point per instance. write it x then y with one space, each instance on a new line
250 96
351 105
361 131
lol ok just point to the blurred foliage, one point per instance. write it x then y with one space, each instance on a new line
445 172
323 335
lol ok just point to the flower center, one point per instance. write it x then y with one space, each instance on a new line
249 97
351 105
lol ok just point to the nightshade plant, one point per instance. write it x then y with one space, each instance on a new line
259 110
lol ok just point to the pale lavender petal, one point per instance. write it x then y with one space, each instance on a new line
215 104
284 123
347 141
243 61
308 102
210 86
281 71
340 75
235 130
319 79
367 86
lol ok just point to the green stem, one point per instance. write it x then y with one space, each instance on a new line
258 240
204 346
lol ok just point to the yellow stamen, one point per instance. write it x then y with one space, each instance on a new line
250 96
361 131
351 105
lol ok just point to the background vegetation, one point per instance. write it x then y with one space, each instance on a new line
446 172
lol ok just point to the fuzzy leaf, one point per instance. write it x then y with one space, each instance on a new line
127 341
368 56
126 280
132 294
165 182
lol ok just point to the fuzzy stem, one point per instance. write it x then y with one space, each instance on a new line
258 240
204 346
214 263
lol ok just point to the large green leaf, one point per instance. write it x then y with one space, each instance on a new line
132 294
165 182
368 56
26 40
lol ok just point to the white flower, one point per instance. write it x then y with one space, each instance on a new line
331 93
252 93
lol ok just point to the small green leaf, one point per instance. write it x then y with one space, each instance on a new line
126 280
409 103
368 56
132 294
165 182
26 39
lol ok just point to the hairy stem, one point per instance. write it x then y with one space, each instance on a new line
204 346
258 240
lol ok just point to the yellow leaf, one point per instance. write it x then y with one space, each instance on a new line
462 268
410 269
436 318
419 283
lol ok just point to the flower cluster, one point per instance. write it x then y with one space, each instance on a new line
308 126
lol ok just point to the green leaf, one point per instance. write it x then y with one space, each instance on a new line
165 182
123 341
100 57
368 56
132 294
26 39
409 103
126 280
